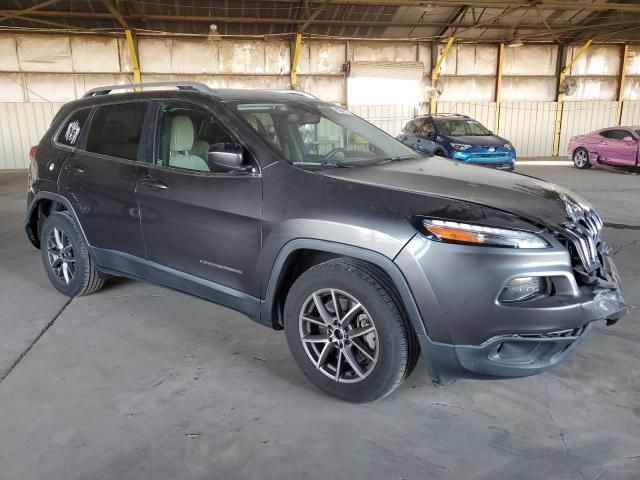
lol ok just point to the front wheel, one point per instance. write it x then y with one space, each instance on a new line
581 159
347 331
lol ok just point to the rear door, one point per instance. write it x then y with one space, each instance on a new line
99 177
196 220
615 149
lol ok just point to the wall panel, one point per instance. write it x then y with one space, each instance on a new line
583 117
631 113
21 126
390 118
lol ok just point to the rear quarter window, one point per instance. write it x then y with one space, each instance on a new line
116 129
73 127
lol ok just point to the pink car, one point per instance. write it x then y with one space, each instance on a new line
610 146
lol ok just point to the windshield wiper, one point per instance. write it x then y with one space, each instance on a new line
320 164
401 157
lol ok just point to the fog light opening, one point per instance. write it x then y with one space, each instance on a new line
523 288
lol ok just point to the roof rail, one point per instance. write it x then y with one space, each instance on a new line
194 86
446 114
296 92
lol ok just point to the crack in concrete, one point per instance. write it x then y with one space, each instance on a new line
35 340
563 434
627 245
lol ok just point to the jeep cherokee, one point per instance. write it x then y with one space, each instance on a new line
306 218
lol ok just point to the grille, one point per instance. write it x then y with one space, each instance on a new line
488 155
585 235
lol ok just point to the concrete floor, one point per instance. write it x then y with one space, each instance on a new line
138 382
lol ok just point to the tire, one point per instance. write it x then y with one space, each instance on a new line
328 353
440 153
581 159
61 234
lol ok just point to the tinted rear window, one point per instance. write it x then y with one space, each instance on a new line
116 129
73 126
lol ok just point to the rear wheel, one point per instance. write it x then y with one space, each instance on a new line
347 333
581 159
66 258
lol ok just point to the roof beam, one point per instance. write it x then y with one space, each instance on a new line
279 21
21 13
542 4
116 14
313 16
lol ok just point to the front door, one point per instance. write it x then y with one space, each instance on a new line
196 220
99 178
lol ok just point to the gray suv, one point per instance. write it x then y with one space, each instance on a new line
306 218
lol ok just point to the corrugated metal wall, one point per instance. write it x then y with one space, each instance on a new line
21 126
529 126
584 117
631 113
390 118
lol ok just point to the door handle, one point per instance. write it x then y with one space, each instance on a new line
154 183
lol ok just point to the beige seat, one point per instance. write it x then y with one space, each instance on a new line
181 146
200 148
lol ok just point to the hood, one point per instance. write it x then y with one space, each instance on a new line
478 140
534 200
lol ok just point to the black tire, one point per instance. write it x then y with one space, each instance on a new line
396 343
85 278
579 156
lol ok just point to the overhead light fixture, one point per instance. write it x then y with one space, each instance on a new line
514 43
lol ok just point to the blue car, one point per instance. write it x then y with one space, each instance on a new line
458 137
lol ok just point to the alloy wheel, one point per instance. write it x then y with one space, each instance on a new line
61 255
338 335
580 158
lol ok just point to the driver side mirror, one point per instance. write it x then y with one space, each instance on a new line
227 157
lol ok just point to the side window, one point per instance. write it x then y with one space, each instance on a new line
619 134
424 126
70 132
116 129
185 135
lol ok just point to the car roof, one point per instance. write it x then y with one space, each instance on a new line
444 115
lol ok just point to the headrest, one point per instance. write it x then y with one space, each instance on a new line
181 134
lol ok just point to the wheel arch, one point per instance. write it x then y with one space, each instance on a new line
298 255
43 205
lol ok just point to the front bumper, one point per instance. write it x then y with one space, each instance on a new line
499 158
471 334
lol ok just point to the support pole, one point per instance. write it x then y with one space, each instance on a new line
133 53
498 88
623 71
435 71
294 60
560 101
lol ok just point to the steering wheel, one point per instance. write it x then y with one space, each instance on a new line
334 152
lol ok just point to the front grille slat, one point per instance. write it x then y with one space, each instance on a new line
585 235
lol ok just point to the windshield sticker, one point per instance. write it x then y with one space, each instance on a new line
73 131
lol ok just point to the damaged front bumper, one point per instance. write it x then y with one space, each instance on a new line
471 334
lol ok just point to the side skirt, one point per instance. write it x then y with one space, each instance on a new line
123 264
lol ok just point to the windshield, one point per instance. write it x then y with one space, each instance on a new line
460 127
321 135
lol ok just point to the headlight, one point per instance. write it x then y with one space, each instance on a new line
461 146
444 230
508 146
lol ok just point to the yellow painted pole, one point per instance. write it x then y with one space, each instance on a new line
435 71
133 53
294 61
623 71
560 101
498 88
